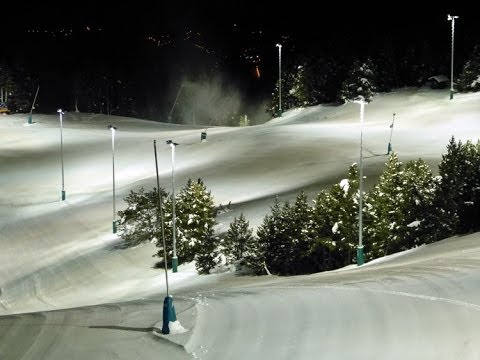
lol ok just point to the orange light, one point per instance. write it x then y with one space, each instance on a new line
257 72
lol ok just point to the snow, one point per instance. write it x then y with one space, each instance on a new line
344 185
335 228
75 295
415 223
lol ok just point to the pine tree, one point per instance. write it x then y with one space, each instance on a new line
339 214
298 236
344 212
360 84
140 222
207 258
420 215
469 79
196 218
458 195
323 251
383 216
468 199
299 90
271 238
387 74
239 240
285 237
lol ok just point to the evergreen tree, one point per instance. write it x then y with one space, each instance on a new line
298 236
249 248
239 240
469 79
195 219
313 81
459 195
284 237
360 84
419 212
383 215
337 212
271 239
463 180
387 73
207 258
322 250
139 222
299 90
410 73
344 214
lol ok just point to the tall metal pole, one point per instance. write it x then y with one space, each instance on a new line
114 222
174 258
391 132
279 79
174 103
160 206
33 106
452 19
60 112
360 254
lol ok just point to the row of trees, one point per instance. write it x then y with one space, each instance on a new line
312 81
17 88
408 207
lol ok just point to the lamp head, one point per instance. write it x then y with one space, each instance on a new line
450 17
171 143
60 111
279 46
111 127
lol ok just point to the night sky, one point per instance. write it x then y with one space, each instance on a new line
155 46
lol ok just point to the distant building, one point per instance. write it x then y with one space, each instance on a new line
437 82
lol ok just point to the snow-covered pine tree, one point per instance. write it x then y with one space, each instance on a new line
383 215
420 214
299 90
336 212
469 79
195 217
272 238
360 84
139 222
323 248
343 214
458 191
458 194
238 240
207 258
298 236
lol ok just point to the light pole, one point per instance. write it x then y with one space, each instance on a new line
113 129
60 113
279 79
360 254
452 19
174 257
